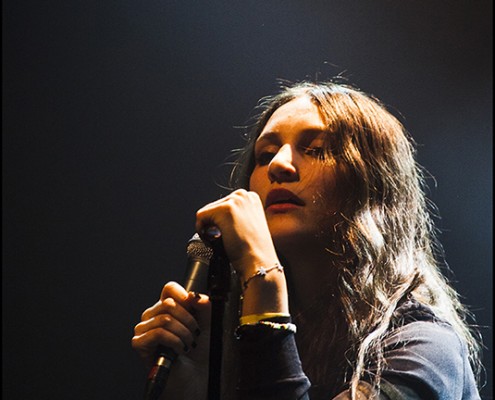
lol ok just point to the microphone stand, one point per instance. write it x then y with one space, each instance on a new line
218 286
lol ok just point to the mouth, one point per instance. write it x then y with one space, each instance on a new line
278 198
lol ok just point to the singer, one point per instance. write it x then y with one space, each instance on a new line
338 290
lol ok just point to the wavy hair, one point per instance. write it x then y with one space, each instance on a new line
385 244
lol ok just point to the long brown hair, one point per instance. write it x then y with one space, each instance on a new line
385 246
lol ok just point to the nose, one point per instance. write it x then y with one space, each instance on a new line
282 167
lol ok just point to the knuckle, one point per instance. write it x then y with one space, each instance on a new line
168 289
238 198
169 304
135 342
145 313
254 196
137 329
164 320
169 285
241 194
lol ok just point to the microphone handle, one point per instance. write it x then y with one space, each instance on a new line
196 277
158 375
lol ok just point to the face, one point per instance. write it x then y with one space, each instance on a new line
297 187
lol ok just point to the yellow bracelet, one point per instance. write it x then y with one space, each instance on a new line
255 318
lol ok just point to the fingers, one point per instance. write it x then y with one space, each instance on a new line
236 215
221 212
246 236
165 311
165 330
174 290
183 305
173 321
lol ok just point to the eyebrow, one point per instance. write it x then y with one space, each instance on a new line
310 133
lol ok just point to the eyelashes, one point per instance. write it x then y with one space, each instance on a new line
264 157
315 152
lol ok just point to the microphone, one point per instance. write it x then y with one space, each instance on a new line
195 280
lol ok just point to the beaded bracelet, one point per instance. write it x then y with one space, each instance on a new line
261 272
254 330
289 327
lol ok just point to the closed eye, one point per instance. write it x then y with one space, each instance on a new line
264 157
315 152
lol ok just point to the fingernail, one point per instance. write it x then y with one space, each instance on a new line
197 332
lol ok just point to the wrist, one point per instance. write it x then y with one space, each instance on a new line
261 273
264 291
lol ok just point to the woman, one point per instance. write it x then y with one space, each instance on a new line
329 234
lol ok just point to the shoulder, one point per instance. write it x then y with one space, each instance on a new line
427 354
425 343
415 326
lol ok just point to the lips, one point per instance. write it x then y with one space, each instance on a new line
282 197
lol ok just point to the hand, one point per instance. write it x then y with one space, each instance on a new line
241 219
180 320
246 237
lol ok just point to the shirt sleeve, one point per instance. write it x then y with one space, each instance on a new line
271 368
429 358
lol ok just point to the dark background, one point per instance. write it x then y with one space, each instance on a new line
118 114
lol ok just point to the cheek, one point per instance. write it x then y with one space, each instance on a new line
330 191
256 181
251 183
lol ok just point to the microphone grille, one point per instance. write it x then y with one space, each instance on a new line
198 249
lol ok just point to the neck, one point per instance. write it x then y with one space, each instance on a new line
311 275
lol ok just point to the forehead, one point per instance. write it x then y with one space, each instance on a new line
298 114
